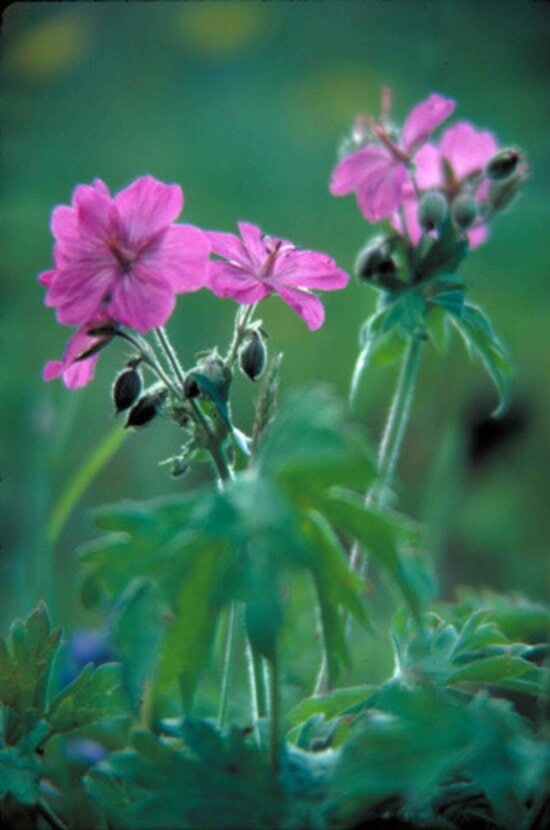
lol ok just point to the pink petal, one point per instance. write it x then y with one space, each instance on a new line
181 257
423 119
229 246
351 172
428 171
147 207
309 269
79 373
78 291
96 214
254 243
228 280
307 306
467 149
101 187
46 277
142 299
380 195
477 236
411 229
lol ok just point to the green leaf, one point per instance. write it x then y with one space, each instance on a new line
408 312
189 636
382 535
25 665
215 385
336 587
453 301
475 328
19 776
330 705
437 329
493 670
94 695
208 782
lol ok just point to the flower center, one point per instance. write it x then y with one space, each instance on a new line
272 249
125 259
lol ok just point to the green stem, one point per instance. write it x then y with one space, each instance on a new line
170 353
275 719
257 687
388 455
229 658
242 320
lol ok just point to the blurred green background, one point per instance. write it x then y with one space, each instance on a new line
244 103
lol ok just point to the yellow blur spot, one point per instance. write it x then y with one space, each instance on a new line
51 48
328 99
222 28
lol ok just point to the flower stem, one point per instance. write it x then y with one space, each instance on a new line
229 658
242 319
166 346
275 719
388 455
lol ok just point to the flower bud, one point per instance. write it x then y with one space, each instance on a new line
464 211
432 210
126 388
146 409
375 262
253 356
502 165
190 387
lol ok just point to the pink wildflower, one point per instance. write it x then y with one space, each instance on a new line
258 265
462 152
122 257
378 173
76 373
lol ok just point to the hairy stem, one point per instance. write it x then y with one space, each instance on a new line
275 714
242 319
388 455
170 353
233 622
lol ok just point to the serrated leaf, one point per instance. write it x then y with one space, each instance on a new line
491 670
94 695
330 705
407 311
475 328
19 776
370 330
437 329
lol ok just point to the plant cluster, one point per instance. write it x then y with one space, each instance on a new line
198 585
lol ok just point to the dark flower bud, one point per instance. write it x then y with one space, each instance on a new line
464 211
126 388
190 387
503 165
432 210
146 409
375 262
253 356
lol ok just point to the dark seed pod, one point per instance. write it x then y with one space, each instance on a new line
253 356
145 409
190 387
126 388
376 265
464 211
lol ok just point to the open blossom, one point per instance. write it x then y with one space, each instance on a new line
258 265
378 173
462 152
122 257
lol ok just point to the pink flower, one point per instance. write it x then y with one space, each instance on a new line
379 172
258 265
76 373
122 257
462 152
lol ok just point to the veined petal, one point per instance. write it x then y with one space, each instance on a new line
95 212
141 299
229 280
309 269
229 246
254 243
351 172
467 149
79 373
181 256
382 192
147 207
423 119
78 292
306 305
